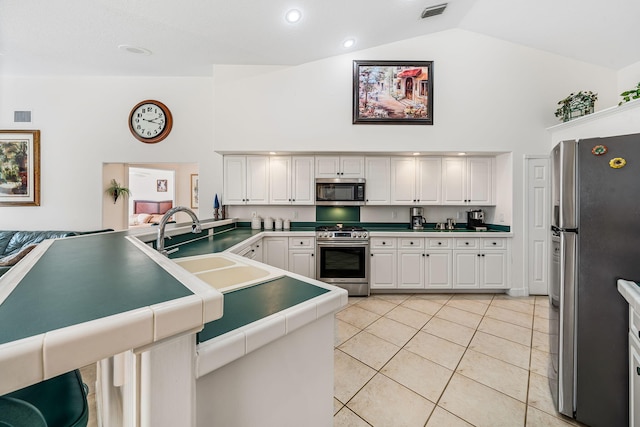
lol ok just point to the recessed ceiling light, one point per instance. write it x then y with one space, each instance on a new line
135 49
293 16
348 43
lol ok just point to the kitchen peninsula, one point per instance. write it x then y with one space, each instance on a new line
112 298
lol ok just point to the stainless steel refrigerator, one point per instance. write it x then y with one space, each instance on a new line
595 241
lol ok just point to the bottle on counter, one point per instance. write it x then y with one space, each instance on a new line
278 223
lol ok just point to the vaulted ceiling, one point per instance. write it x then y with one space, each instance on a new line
184 38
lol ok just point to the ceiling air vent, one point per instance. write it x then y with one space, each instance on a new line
434 10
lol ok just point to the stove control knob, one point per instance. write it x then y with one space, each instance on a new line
364 234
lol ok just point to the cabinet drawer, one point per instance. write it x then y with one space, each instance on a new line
415 243
439 243
383 242
301 242
466 243
494 243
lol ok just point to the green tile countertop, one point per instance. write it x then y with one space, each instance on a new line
218 242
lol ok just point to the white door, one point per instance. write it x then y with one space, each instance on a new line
410 269
279 180
302 262
327 167
276 252
352 167
538 225
454 181
466 271
302 181
429 180
378 176
234 180
493 269
438 270
403 180
383 269
480 180
257 180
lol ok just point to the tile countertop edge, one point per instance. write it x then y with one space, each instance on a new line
631 292
226 348
441 234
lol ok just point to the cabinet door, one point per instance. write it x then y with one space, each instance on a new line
453 181
257 180
494 269
276 252
438 270
303 262
403 180
480 181
352 167
466 274
429 180
410 269
235 179
383 269
257 247
378 170
280 180
302 181
327 167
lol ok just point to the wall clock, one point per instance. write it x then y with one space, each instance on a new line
150 121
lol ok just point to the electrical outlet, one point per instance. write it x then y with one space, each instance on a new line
295 214
501 218
254 214
394 214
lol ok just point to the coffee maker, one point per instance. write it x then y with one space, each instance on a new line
475 220
417 218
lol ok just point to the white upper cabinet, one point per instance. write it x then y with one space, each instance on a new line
291 181
377 175
416 180
468 180
339 167
246 180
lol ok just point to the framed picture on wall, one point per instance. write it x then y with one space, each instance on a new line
194 191
393 92
19 168
161 185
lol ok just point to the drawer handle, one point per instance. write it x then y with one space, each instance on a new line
439 243
466 243
638 370
301 243
494 243
384 243
371 254
411 243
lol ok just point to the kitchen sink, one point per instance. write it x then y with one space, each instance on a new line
224 273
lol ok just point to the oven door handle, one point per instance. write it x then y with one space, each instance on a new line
340 244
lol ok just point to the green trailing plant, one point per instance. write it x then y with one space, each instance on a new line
115 190
576 105
630 94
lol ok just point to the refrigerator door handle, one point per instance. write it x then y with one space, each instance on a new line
567 332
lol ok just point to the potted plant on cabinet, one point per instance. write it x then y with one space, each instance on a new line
630 94
116 190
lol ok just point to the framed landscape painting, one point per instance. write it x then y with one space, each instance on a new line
393 92
19 168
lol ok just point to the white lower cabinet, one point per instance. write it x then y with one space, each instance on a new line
432 263
302 257
276 252
253 251
634 379
384 263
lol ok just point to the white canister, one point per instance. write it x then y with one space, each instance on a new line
256 223
278 223
287 224
268 223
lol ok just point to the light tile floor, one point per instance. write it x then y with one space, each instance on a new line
443 360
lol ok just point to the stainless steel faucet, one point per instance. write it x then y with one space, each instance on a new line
195 228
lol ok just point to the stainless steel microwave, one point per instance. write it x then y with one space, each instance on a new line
340 191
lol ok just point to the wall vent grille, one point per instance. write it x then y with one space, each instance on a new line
434 10
22 116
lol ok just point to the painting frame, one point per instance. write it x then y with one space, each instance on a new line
393 92
195 181
19 167
162 185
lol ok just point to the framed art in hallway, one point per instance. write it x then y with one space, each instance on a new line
194 191
393 92
161 185
19 168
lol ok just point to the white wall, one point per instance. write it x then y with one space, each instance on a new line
83 121
628 78
489 96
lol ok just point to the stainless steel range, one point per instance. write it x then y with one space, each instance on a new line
343 258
